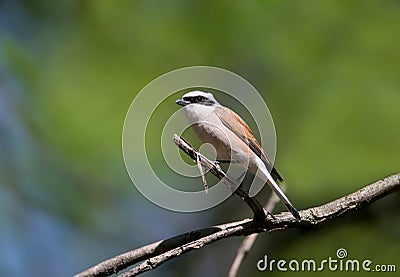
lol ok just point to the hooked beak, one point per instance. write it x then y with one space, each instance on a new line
182 102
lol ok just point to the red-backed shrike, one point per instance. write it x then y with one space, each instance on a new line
232 139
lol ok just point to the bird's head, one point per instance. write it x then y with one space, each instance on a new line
197 97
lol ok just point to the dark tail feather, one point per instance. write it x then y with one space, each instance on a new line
275 174
277 177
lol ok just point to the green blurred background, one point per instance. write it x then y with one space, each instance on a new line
328 70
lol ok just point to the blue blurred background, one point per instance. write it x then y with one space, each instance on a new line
69 69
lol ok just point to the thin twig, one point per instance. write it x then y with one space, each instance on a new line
215 169
160 252
248 242
200 167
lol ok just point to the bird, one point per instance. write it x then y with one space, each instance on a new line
232 139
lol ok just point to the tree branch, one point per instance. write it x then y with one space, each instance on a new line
159 252
255 206
248 242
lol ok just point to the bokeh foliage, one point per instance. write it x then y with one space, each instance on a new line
328 70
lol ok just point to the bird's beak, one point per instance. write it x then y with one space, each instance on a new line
182 102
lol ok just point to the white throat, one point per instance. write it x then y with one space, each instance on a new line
197 112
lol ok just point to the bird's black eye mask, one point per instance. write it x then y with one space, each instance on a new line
199 100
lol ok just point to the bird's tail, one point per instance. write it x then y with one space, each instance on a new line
277 189
265 175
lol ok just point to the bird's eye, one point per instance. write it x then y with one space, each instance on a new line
199 98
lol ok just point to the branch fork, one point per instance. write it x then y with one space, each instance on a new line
153 255
214 168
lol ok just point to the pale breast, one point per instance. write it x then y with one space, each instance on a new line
208 126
